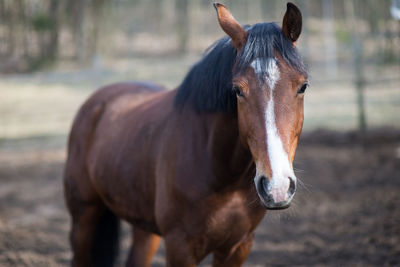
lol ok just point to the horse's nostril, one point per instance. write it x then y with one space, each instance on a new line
264 183
292 186
263 188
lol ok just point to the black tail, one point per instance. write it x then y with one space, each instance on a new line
106 241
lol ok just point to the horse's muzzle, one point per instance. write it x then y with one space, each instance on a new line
275 197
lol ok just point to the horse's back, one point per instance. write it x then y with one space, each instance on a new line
105 95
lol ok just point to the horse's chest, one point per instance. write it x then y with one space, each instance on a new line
233 219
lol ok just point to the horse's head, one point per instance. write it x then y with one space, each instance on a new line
269 81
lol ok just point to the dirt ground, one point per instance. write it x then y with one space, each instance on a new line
347 213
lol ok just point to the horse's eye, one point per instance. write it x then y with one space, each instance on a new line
303 88
238 91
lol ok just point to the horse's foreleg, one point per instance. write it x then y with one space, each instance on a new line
179 252
145 245
235 256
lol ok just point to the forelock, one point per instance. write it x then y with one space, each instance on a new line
264 40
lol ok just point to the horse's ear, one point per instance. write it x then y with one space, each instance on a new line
292 22
231 26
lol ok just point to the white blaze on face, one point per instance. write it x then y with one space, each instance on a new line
278 158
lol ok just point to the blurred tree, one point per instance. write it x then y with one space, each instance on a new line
329 38
79 8
97 8
304 6
182 24
9 20
358 65
42 25
23 22
31 29
54 16
85 19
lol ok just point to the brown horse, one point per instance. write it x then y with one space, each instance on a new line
181 163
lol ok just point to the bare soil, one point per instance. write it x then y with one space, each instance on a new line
347 213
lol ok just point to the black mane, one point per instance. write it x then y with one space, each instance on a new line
208 85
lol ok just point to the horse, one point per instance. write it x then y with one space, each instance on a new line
199 165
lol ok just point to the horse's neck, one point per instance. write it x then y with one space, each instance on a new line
232 160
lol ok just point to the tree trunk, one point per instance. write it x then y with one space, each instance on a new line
2 20
329 38
23 33
79 11
358 67
10 20
182 24
54 32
